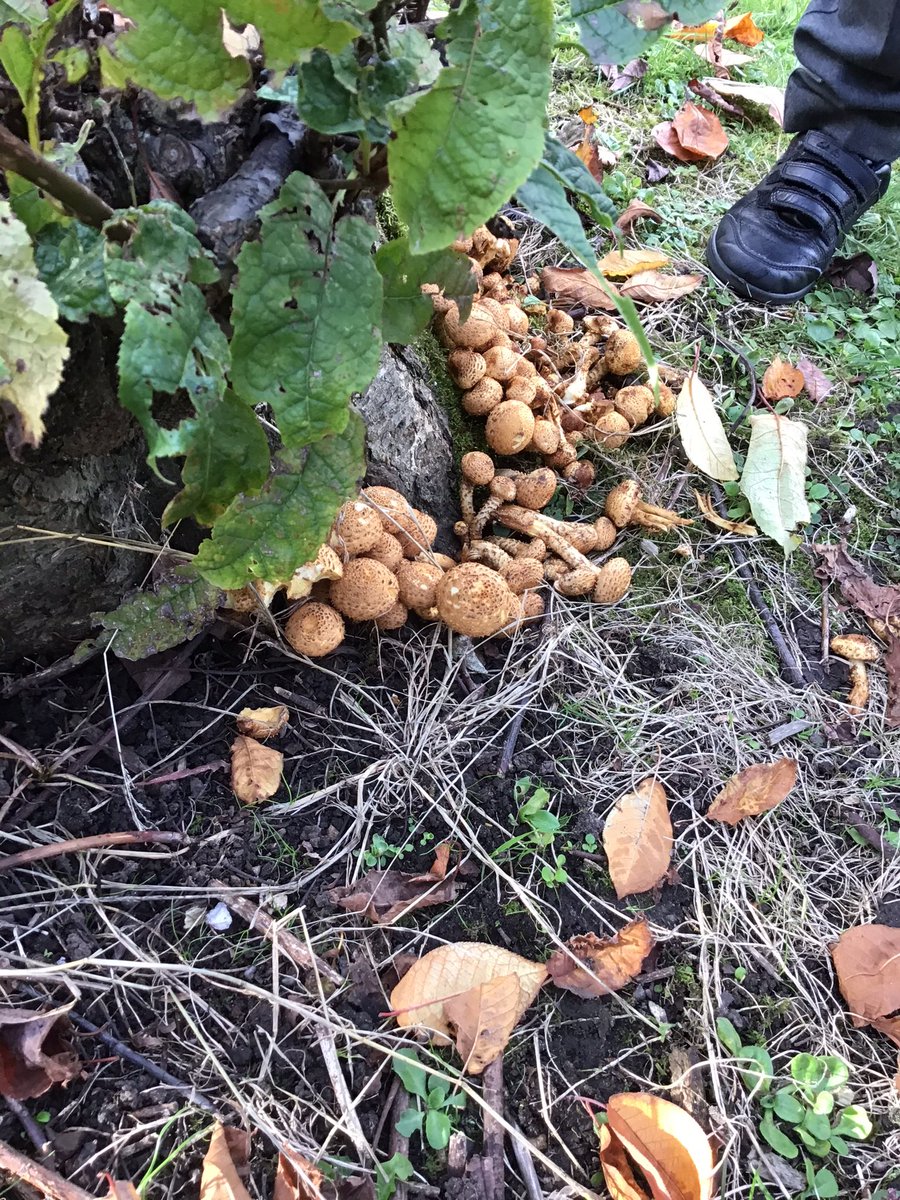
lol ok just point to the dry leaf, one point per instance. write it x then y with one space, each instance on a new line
614 961
705 504
651 287
667 1144
781 381
667 139
598 159
857 273
774 477
35 1052
702 432
744 29
617 1170
753 791
588 114
637 839
255 770
446 974
621 265
656 172
635 211
296 1178
699 131
262 723
578 286
720 56
817 385
384 896
867 961
224 1164
706 93
765 96
484 1018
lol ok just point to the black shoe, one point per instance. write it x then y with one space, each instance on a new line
774 244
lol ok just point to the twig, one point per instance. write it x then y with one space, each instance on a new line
870 834
286 942
37 1136
350 1119
589 857
493 1130
512 738
397 1104
789 729
46 1181
826 623
99 841
525 1163
185 774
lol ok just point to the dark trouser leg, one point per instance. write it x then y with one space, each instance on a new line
848 81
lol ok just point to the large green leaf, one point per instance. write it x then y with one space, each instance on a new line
153 621
160 253
614 31
465 146
17 60
774 477
571 172
268 536
70 259
306 313
406 311
288 30
29 12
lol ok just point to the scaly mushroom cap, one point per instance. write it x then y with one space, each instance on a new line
600 324
484 244
606 534
500 363
559 321
314 629
509 427
387 551
667 401
582 536
536 489
396 616
466 367
562 457
473 600
532 606
497 311
523 389
356 529
483 397
366 590
526 368
621 503
503 488
634 403
545 439
581 474
517 319
416 533
493 285
521 574
477 332
555 568
250 598
389 504
577 582
477 467
613 581
326 565
417 581
855 647
623 353
612 430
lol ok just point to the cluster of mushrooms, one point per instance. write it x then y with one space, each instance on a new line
545 393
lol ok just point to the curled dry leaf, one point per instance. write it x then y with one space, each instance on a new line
35 1052
224 1165
720 56
430 996
817 384
255 770
637 210
296 1178
651 287
867 961
594 966
575 285
668 1145
744 29
857 273
757 95
753 791
705 504
637 839
618 1172
262 723
781 381
667 139
702 432
384 896
625 263
699 131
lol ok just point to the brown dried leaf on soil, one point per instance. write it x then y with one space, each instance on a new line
636 211
857 273
637 839
817 384
614 961
575 285
753 791
296 1178
484 1018
699 131
262 723
598 159
757 95
383 896
255 770
618 1173
35 1052
867 961
781 380
705 504
224 1165
667 139
623 264
718 55
652 287
668 1145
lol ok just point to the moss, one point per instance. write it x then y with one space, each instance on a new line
467 433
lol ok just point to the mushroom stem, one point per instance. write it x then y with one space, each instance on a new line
467 501
487 553
651 516
526 521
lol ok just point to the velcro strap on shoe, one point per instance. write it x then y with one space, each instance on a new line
823 183
852 169
801 202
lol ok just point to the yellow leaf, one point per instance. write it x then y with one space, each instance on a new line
754 791
617 1171
227 1156
593 966
255 770
484 1018
667 1144
705 504
621 265
296 1178
694 33
262 723
637 839
702 433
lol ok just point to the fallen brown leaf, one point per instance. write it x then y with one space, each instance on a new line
817 385
781 381
625 263
667 139
598 159
296 1178
867 961
705 504
621 79
699 131
614 961
262 723
224 1165
744 29
484 1018
858 273
617 1170
578 286
758 95
668 1145
35 1052
637 839
384 896
753 791
720 56
652 287
255 770
635 211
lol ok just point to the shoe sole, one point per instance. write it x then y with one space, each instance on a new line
740 286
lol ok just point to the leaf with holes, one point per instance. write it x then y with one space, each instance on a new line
407 310
774 477
753 791
666 1143
385 896
637 838
702 432
255 770
70 260
594 966
152 621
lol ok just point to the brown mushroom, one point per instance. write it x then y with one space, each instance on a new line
613 581
476 470
611 430
466 367
606 534
503 491
395 617
314 629
500 363
251 597
389 504
483 398
536 489
624 507
509 427
488 553
522 574
623 353
634 403
532 606
386 550
356 529
416 582
855 647
858 696
517 319
546 437
577 581
415 532
366 590
667 401
326 566
444 561
477 332
497 311
561 457
523 389
559 321
474 600
581 474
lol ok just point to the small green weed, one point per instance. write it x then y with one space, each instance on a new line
387 1173
436 1107
380 853
542 828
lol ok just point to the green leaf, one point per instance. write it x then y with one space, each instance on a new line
774 477
824 1184
729 1036
410 1122
17 58
33 345
614 31
466 145
226 452
819 1072
153 621
788 1107
387 1173
437 1129
838 1145
29 12
814 1145
574 175
544 822
457 1100
323 100
823 1105
818 1126
779 1141
545 198
289 30
854 1122
70 259
306 313
268 536
410 1072
406 311
437 1096
74 60
160 253
758 1077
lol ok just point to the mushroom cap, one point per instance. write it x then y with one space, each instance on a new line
606 533
475 333
536 489
559 321
389 503
416 533
562 457
855 647
545 439
251 597
483 397
532 606
477 467
526 368
612 430
613 581
356 529
522 574
623 353
500 362
516 319
387 550
484 244
466 367
417 581
523 388
366 590
667 401
577 581
622 501
474 600
600 324
516 614
555 568
314 629
509 427
635 403
444 561
326 565
580 473
581 535
396 615
503 487
497 311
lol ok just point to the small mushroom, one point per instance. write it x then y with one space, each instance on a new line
326 565
606 534
483 398
497 311
523 389
488 553
466 367
667 401
314 629
500 363
415 532
395 617
578 581
623 353
536 489
581 474
251 597
509 427
546 437
611 430
855 647
477 470
613 581
386 550
559 322
389 504
477 332
517 320
532 606
634 403
503 491
416 582
366 590
624 507
561 458
858 696
474 600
